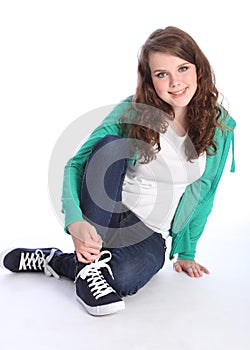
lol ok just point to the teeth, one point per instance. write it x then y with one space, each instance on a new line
178 93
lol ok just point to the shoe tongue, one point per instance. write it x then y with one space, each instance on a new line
79 267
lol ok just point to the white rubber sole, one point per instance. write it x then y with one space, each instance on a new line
103 310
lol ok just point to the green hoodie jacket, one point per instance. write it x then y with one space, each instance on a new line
195 205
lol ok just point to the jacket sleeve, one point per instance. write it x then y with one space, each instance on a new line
197 202
190 220
73 171
195 230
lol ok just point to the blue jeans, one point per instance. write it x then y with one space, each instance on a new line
138 253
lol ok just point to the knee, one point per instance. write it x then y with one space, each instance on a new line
112 152
134 273
111 142
108 138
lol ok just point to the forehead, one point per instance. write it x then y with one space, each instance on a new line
160 60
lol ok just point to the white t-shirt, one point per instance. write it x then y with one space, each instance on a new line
152 191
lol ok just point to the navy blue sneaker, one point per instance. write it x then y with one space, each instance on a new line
94 292
29 260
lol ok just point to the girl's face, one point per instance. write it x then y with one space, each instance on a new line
174 80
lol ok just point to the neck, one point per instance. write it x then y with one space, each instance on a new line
180 124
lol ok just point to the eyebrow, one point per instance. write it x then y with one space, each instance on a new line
163 70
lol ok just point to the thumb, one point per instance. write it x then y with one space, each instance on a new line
94 235
177 267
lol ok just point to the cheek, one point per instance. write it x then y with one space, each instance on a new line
160 87
192 80
194 85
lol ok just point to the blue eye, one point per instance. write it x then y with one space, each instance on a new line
161 75
183 69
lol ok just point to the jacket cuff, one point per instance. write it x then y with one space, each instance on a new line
186 256
72 214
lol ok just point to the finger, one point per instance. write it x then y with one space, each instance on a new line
93 244
81 258
204 269
88 249
177 267
90 257
94 235
190 272
197 272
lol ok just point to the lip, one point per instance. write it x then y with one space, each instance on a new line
179 93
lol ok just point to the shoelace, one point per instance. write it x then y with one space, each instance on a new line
99 287
38 261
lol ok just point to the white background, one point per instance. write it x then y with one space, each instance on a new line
61 59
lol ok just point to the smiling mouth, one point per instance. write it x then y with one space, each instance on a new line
178 93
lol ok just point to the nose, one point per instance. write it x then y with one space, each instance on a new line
174 81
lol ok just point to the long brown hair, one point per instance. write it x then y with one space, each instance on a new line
203 111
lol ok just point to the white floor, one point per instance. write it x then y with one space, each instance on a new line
172 312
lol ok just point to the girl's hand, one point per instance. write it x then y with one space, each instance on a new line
87 241
192 268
